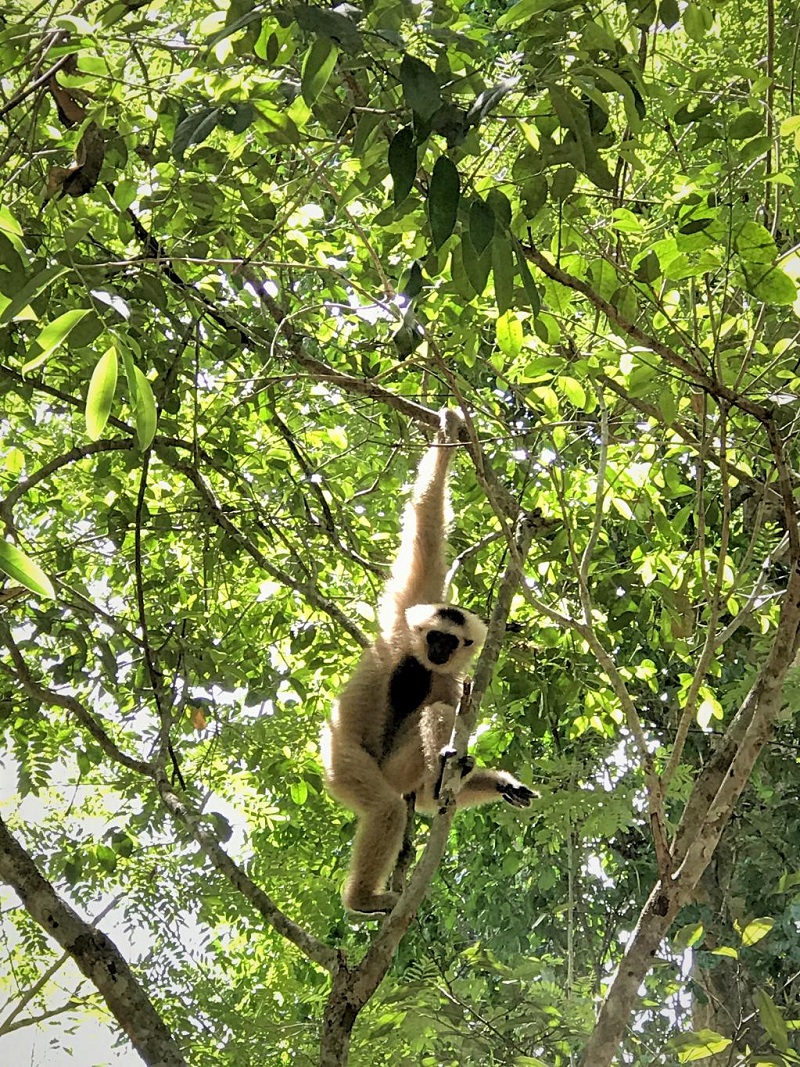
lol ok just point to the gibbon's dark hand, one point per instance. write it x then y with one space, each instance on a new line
518 796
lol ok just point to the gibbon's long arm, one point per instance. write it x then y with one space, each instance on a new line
419 571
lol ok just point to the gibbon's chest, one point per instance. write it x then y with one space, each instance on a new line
409 688
411 685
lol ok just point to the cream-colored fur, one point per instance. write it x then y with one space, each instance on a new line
395 715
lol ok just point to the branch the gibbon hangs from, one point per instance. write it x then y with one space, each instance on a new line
394 718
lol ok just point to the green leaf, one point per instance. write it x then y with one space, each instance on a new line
501 206
509 334
522 12
19 307
756 930
771 285
145 411
403 163
531 289
755 244
318 66
669 13
22 569
697 21
687 936
699 1045
8 224
101 393
237 117
420 87
746 124
194 129
332 24
503 272
443 198
563 183
476 267
772 1020
481 225
52 335
572 390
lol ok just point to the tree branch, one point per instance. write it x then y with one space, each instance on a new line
307 591
315 950
69 703
95 954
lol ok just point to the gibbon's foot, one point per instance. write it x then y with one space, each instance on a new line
516 794
370 903
451 423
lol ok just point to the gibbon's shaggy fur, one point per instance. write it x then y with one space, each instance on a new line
389 726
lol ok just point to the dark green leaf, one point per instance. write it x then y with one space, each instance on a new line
503 272
563 182
746 124
194 129
402 163
501 206
476 267
331 24
443 198
648 268
237 117
420 87
531 290
481 225
772 1020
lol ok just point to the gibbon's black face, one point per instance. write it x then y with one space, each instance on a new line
444 638
440 646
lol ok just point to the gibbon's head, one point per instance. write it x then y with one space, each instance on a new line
444 638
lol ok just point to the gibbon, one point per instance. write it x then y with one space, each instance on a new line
394 718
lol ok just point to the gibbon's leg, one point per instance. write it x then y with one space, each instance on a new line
358 782
407 849
483 786
419 572
379 838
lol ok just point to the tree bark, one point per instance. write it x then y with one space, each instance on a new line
95 954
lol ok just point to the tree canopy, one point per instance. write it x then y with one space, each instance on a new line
246 253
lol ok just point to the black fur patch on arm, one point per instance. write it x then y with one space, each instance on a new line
409 687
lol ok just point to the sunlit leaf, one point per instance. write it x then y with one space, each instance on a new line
317 68
101 393
22 569
756 930
772 1020
51 336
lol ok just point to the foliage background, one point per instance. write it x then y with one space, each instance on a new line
290 226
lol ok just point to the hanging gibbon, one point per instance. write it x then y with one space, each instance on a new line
394 717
